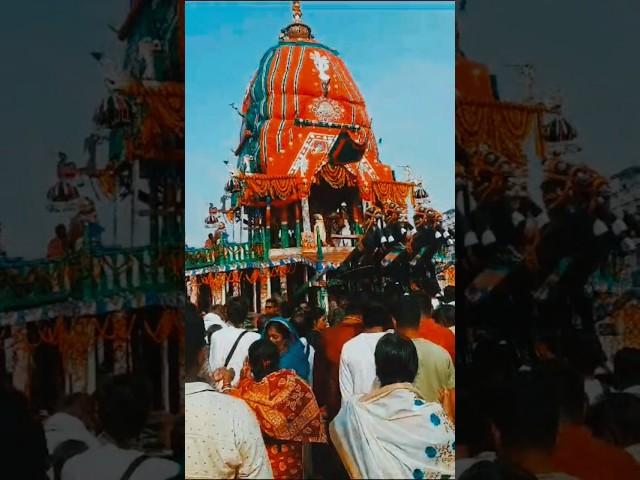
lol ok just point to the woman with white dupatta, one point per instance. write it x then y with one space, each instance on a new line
392 432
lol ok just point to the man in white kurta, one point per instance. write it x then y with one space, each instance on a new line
223 340
357 371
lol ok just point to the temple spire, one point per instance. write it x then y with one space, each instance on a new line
297 11
296 31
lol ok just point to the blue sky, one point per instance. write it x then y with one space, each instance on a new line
401 55
51 87
578 46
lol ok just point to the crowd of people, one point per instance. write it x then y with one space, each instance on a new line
563 416
366 390
89 436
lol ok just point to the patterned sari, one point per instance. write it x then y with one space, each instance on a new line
393 433
289 416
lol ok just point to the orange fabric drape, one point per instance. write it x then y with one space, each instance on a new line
337 176
277 187
503 127
392 191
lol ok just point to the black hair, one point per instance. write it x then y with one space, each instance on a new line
615 418
626 367
194 339
237 309
396 359
312 316
445 315
449 294
524 413
376 314
280 328
272 300
285 309
407 312
392 294
264 358
566 386
356 302
298 321
63 452
123 406
424 301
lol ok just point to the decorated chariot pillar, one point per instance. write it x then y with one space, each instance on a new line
306 218
267 222
357 220
265 287
298 227
284 228
282 273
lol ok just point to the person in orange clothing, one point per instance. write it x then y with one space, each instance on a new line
326 385
209 243
432 331
59 245
578 452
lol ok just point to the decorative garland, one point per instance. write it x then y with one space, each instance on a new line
396 192
277 187
337 176
502 126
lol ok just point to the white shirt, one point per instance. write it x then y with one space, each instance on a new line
357 372
593 389
312 354
222 436
108 462
634 390
61 427
213 319
221 343
634 450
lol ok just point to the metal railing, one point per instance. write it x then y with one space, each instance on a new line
225 254
89 274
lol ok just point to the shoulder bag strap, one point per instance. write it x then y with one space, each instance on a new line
133 466
233 349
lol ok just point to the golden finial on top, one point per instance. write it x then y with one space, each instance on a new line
297 11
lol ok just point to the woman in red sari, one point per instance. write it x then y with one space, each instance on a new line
286 408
